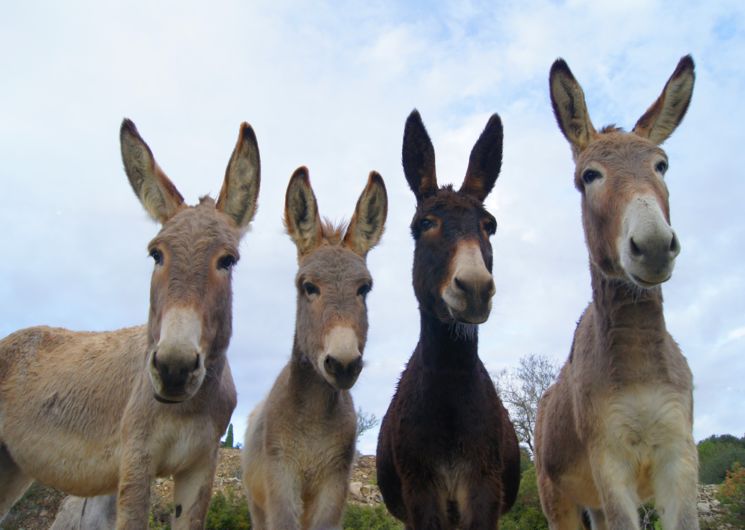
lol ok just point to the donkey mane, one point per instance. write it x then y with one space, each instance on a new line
333 233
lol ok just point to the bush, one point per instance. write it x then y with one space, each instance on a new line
369 518
228 511
527 512
717 454
732 495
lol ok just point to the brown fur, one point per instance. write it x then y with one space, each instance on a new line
447 452
615 429
300 440
100 413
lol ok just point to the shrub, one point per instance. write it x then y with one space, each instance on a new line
716 454
527 512
732 495
228 511
369 518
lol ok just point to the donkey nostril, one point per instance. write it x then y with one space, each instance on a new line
155 359
674 245
635 250
196 364
460 284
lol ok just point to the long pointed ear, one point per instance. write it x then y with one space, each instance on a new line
301 213
242 178
368 221
418 157
485 161
665 114
569 106
156 192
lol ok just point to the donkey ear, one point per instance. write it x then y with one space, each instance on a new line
418 157
242 178
156 192
301 213
368 221
569 106
665 114
485 161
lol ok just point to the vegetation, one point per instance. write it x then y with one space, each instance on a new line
359 517
732 495
527 512
717 454
228 442
365 422
522 388
228 511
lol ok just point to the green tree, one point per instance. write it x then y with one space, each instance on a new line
228 442
717 454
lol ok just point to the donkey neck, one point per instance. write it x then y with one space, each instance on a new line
448 345
308 389
628 320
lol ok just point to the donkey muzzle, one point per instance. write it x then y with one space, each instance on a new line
341 361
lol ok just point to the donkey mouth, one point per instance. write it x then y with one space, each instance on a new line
646 284
170 401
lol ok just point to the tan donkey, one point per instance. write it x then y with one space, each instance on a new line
300 440
100 413
614 431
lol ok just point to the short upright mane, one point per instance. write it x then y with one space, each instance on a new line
333 233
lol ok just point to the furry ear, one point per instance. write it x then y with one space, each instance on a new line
418 157
569 106
485 161
665 114
301 213
368 221
240 188
156 192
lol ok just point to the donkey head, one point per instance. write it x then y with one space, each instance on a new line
332 278
190 318
625 208
453 255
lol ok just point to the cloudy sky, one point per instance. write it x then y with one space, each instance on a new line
329 86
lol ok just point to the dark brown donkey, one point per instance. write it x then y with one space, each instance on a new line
615 430
447 452
101 413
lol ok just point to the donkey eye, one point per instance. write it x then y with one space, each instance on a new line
227 261
425 224
311 288
364 289
490 227
661 167
157 256
590 174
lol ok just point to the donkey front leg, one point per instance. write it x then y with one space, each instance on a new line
284 504
616 484
133 499
327 506
192 494
675 480
13 482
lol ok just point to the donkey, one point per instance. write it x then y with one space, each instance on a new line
101 413
300 440
447 452
615 428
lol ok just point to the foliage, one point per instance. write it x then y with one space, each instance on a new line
717 454
527 512
228 511
522 388
359 517
228 442
732 495
365 422
648 517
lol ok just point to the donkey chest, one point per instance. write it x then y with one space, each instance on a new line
643 421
